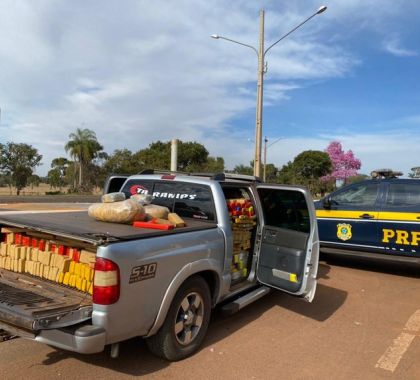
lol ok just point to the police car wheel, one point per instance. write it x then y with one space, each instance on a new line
186 322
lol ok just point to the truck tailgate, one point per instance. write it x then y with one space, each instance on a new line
29 304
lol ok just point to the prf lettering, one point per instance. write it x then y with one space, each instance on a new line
400 237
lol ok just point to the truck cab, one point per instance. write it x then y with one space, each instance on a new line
280 246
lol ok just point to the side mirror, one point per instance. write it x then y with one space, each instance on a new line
327 202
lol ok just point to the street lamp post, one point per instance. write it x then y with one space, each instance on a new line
261 53
265 158
265 154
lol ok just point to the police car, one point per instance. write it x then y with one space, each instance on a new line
379 217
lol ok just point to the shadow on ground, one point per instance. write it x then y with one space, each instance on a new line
135 359
396 268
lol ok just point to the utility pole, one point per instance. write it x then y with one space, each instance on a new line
174 155
259 111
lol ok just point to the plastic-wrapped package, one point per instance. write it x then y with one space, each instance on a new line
143 199
176 219
156 211
113 197
126 211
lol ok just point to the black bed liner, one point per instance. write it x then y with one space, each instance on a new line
79 226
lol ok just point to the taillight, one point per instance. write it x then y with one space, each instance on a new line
106 282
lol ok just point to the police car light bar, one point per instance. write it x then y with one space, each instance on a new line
385 173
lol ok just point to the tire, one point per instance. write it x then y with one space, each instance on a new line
186 322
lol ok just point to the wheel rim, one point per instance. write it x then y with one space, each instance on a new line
189 318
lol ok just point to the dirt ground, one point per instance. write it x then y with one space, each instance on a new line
364 323
352 330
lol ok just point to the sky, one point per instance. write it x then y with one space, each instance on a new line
138 71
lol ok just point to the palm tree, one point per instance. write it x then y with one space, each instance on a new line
83 148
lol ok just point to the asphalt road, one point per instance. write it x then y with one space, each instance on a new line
364 323
13 199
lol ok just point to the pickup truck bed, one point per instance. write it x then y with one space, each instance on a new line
28 303
79 226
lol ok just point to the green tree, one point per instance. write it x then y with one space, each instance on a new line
19 161
71 174
54 178
214 165
271 173
3 180
96 177
243 169
122 161
192 156
83 147
310 165
34 180
287 174
57 175
6 180
156 156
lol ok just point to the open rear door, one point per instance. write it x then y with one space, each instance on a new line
289 250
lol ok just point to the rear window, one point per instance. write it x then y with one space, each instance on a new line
133 187
186 199
285 209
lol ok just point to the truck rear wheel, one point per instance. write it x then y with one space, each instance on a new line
186 323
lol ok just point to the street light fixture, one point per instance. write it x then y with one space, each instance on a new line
260 79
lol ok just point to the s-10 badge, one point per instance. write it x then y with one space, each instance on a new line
143 272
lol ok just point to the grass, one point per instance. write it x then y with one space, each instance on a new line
42 189
29 190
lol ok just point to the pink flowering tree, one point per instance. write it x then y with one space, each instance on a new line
345 165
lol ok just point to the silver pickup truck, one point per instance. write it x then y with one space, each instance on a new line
157 284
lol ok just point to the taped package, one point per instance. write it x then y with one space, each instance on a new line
156 211
126 211
143 199
113 197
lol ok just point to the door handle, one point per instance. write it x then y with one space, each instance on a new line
366 216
